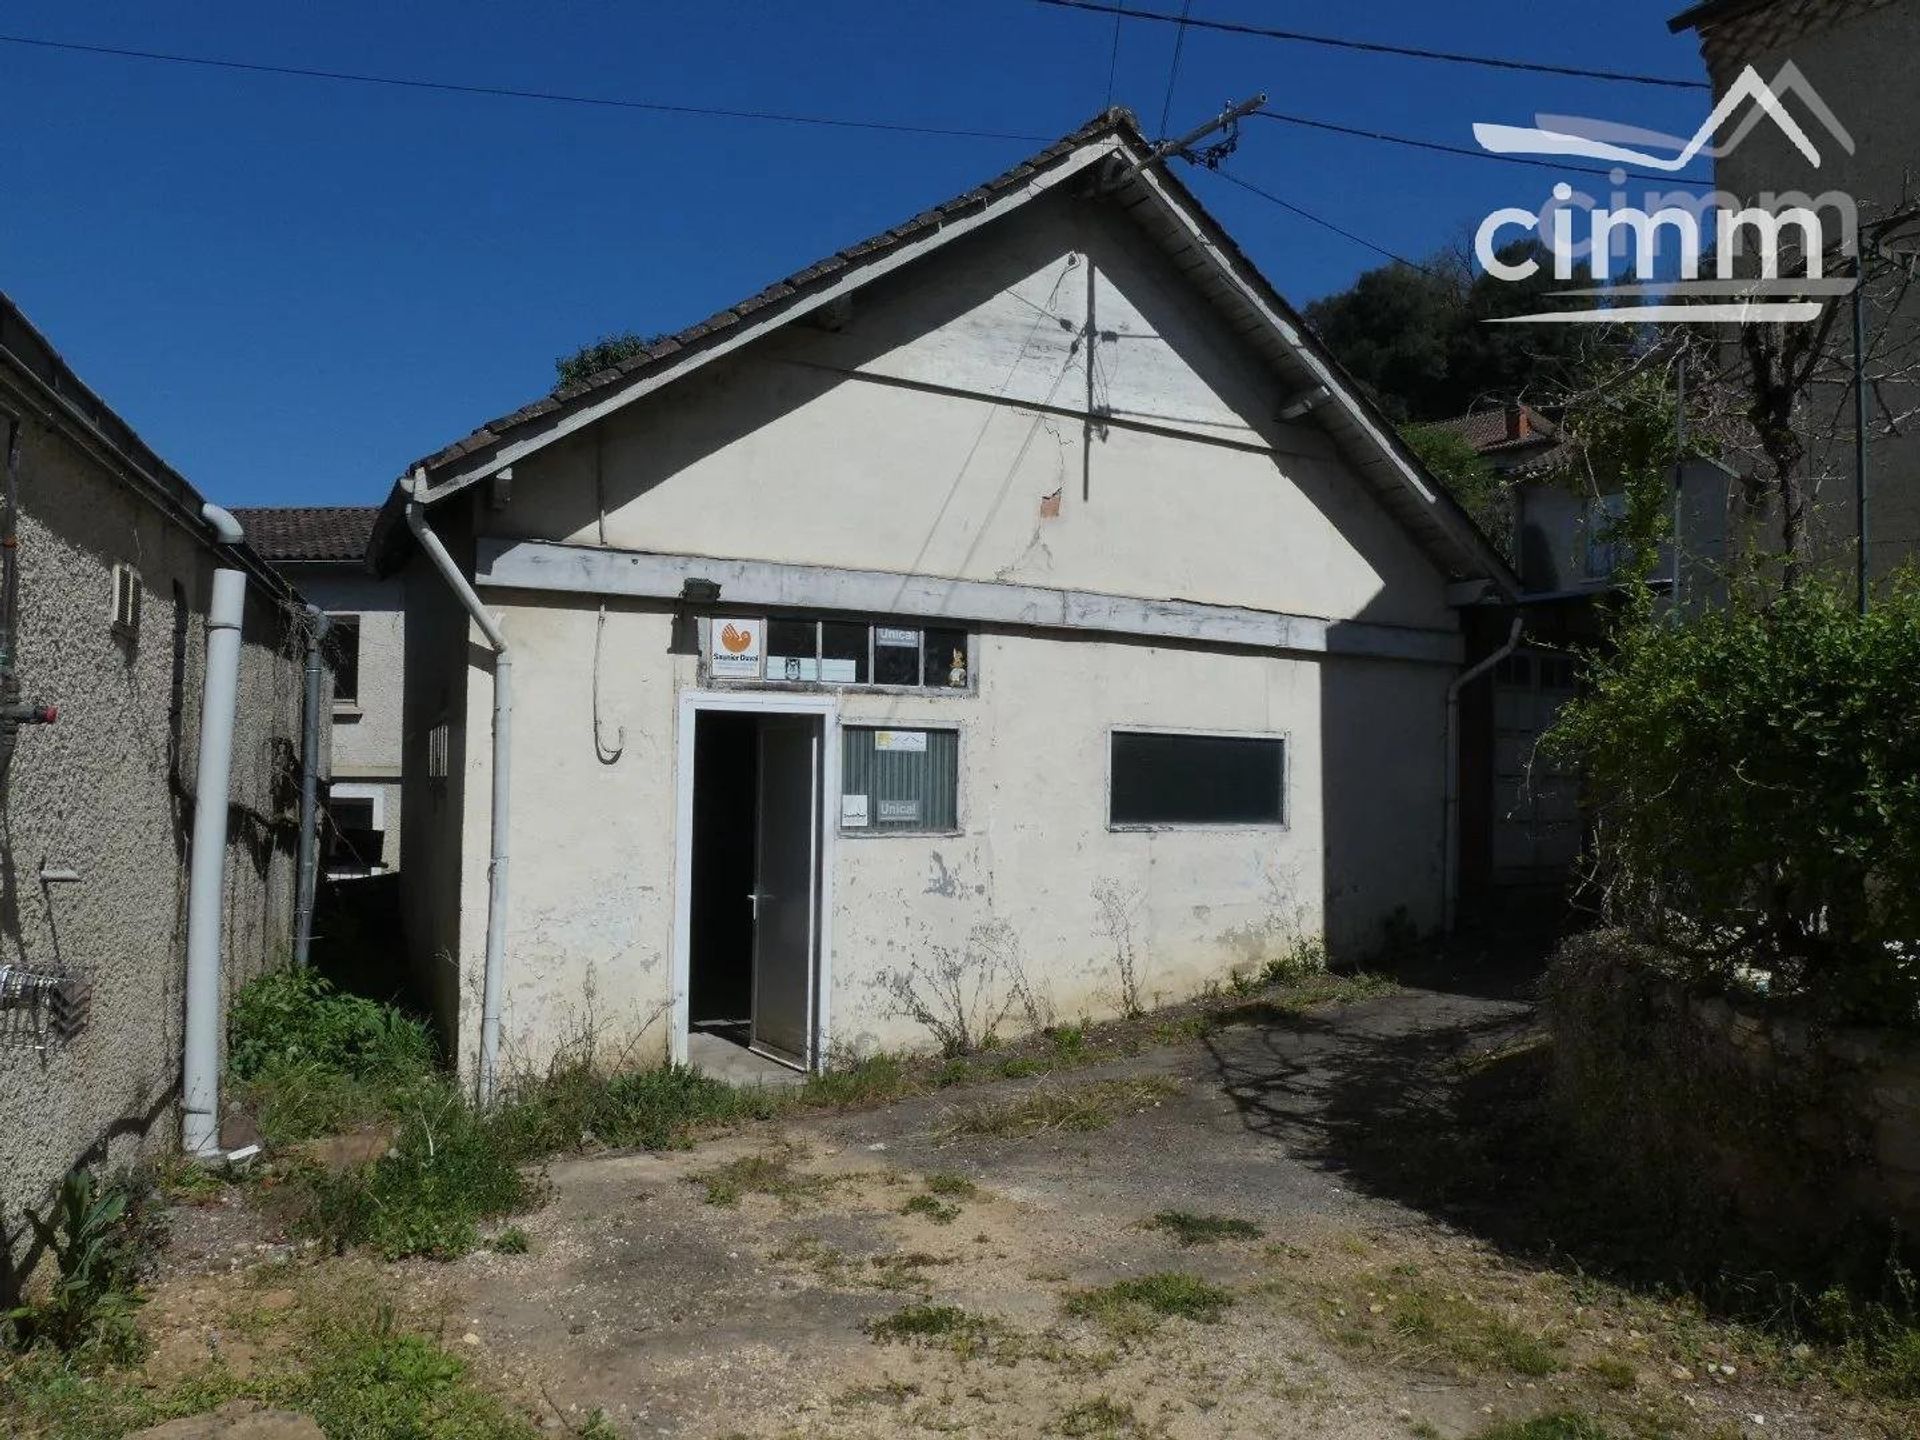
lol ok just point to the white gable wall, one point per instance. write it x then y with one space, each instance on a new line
922 437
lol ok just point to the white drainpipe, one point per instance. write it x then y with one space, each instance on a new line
1449 898
207 864
489 1076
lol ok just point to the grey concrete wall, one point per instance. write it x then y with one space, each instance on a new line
107 792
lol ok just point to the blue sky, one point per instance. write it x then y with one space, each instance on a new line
292 288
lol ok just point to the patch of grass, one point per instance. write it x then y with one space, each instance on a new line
1098 1417
931 1207
1052 1107
1612 1372
351 1366
1433 1324
510 1241
450 1168
871 1081
951 1184
770 1172
1134 1306
945 1327
1560 1425
1191 1229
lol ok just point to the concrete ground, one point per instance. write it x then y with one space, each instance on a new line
735 1289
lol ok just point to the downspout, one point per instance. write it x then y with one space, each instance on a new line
317 626
1449 898
207 864
496 965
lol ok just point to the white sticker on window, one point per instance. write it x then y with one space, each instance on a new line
853 811
903 810
908 639
900 740
735 651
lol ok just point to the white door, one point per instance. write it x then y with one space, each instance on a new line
785 889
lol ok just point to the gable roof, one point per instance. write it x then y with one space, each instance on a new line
1538 446
1109 152
310 532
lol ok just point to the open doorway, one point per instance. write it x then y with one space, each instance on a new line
753 907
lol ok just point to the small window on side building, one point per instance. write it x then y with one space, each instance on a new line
343 648
1162 778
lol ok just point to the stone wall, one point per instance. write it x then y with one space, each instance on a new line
1810 1134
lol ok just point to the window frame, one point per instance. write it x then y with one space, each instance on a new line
874 832
766 681
1283 824
336 619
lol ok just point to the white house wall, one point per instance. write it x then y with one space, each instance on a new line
897 444
825 448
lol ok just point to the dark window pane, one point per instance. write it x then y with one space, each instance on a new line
343 647
901 780
896 655
843 653
1195 780
946 664
793 650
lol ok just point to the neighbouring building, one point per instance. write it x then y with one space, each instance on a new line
104 624
1843 69
1017 614
323 550
1523 829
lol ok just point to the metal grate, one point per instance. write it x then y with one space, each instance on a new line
41 1009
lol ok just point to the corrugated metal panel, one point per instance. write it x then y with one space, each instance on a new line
905 788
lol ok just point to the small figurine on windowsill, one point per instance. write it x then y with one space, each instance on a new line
957 672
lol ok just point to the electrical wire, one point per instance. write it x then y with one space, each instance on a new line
1326 224
1373 47
513 93
1113 56
1173 70
1440 147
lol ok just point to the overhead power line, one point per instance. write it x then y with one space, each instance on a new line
657 107
1173 70
1325 224
1374 47
1444 149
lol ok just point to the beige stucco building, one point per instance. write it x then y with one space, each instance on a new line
96 808
1014 616
322 550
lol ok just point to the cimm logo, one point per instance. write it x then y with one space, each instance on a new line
1765 256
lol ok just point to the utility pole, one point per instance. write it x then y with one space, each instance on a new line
1860 423
1227 118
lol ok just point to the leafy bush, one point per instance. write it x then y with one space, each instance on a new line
1755 774
93 1236
296 1017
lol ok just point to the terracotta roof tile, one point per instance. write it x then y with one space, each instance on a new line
309 532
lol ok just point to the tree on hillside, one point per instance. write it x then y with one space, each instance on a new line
1419 341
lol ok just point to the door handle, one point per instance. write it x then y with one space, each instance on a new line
755 897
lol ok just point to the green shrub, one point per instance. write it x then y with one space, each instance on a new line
295 1017
1755 777
93 1235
